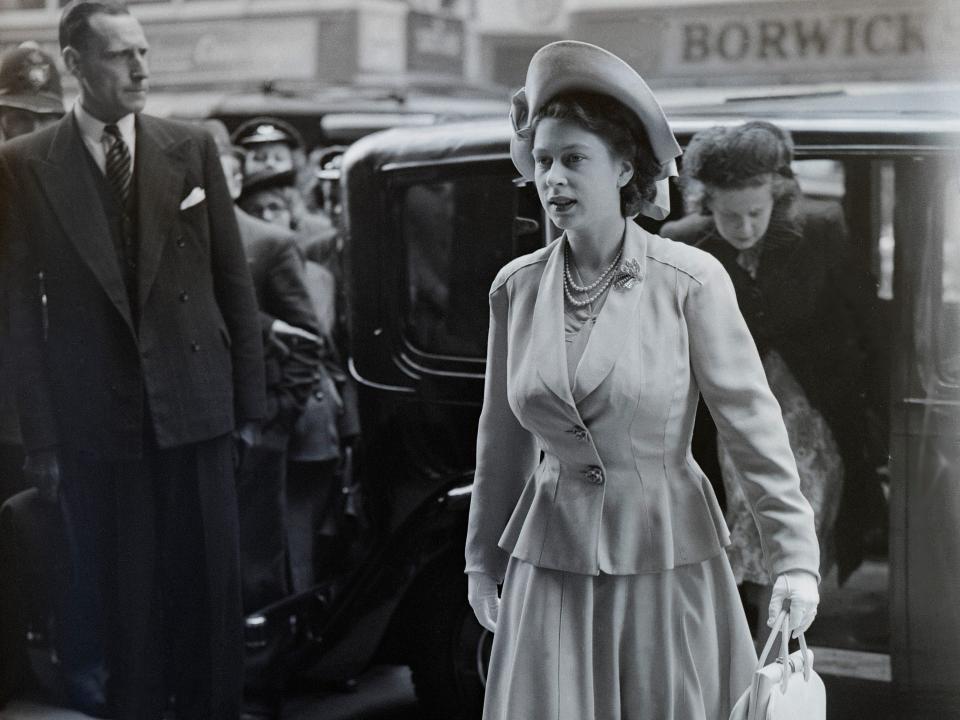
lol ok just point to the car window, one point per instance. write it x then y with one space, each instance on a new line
457 233
927 228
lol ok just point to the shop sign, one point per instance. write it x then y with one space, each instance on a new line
780 40
434 43
233 50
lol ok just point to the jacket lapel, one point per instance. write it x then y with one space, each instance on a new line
548 343
160 173
617 321
74 198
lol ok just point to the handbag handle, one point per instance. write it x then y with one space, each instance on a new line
781 626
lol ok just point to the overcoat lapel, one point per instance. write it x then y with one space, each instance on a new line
617 321
548 338
74 198
160 173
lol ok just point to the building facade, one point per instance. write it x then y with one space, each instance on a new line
220 44
733 42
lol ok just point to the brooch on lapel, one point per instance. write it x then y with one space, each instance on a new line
628 275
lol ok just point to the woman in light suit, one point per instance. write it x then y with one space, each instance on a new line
618 601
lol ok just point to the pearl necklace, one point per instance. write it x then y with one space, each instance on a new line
603 281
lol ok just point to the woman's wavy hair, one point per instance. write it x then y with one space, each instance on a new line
733 158
622 132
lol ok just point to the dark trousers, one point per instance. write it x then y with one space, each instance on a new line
314 503
154 592
263 542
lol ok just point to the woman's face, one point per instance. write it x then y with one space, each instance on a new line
578 178
742 215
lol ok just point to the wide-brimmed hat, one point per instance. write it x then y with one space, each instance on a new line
29 80
568 66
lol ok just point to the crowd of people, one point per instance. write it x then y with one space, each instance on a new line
172 379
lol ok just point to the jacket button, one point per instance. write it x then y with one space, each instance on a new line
580 433
593 474
181 242
318 395
195 346
184 297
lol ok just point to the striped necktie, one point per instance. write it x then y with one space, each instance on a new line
118 164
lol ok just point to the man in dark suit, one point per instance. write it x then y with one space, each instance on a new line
137 346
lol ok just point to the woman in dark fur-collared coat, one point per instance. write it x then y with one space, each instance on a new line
810 310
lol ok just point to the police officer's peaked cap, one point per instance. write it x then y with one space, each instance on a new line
29 80
267 130
329 161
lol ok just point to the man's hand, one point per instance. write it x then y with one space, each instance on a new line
244 438
248 433
42 469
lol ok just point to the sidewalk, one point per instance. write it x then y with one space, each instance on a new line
849 640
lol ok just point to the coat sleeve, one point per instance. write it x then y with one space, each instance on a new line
728 370
21 290
234 292
286 297
507 453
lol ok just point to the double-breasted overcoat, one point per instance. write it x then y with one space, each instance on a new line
137 378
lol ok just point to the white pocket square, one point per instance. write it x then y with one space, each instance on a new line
197 195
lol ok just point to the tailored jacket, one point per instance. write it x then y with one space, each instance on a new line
599 477
813 304
94 365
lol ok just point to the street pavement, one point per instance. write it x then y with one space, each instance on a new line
383 693
849 641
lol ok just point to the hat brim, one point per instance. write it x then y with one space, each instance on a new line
570 65
283 133
267 180
33 103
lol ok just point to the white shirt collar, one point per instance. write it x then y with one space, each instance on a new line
91 130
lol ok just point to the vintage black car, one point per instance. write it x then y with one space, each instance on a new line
431 214
333 114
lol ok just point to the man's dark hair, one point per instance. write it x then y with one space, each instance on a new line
75 20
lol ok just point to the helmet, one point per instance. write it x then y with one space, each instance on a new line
29 80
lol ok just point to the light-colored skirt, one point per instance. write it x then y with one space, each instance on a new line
672 645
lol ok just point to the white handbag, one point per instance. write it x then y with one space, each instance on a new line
788 689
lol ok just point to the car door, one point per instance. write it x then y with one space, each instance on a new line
925 439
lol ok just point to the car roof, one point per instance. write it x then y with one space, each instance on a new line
342 114
338 114
866 121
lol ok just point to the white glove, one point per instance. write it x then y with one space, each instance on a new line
483 598
800 587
